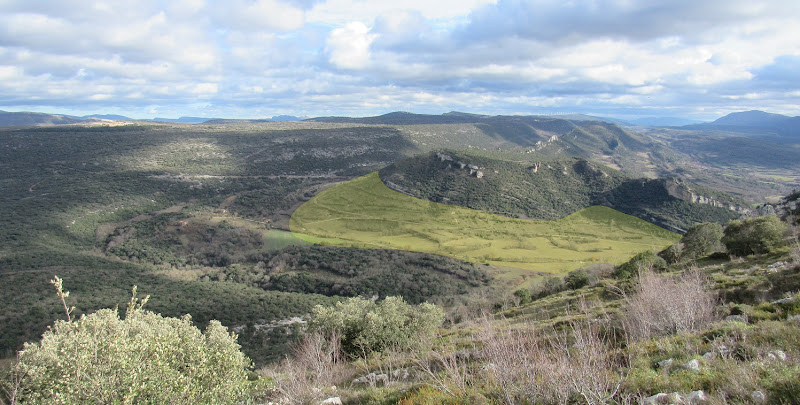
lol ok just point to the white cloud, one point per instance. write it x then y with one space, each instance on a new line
258 15
358 56
337 12
348 46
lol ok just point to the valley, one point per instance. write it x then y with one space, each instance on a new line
198 215
318 202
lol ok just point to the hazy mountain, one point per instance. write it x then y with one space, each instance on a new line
454 117
760 124
286 118
24 118
183 120
754 118
407 118
113 117
663 121
582 117
276 118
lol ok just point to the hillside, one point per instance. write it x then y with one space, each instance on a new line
550 190
168 208
713 330
365 213
21 119
178 209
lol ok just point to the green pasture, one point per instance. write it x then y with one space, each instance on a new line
365 213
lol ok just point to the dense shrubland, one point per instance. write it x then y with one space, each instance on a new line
351 272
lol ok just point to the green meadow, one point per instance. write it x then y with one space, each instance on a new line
365 213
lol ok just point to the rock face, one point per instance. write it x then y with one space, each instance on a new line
679 189
444 158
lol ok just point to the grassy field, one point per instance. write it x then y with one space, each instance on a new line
365 213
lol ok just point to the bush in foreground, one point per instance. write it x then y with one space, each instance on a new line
366 326
144 358
663 305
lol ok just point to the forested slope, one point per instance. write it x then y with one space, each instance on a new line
553 189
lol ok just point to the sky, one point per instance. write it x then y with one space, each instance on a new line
697 59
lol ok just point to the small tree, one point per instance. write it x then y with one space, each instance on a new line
673 254
753 235
524 295
643 261
701 240
578 278
144 358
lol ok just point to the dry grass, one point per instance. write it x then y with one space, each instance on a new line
663 305
448 372
794 249
536 366
312 371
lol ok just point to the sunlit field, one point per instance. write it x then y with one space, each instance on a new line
365 213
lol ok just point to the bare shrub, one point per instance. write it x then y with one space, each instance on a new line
663 305
590 363
315 363
448 372
528 366
794 251
10 386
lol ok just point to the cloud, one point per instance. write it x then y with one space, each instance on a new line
260 15
338 12
575 20
783 73
348 47
357 57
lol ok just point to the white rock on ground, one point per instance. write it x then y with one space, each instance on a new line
660 398
758 397
696 397
665 363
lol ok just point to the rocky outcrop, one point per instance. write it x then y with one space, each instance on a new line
681 190
474 170
444 158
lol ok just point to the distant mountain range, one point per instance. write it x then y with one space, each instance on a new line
453 117
663 122
758 124
9 119
24 118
